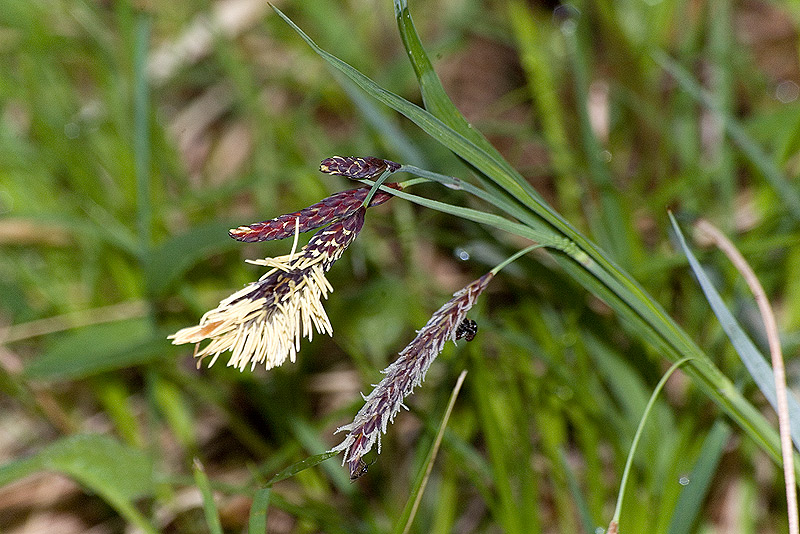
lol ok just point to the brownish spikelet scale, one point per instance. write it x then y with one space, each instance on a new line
335 207
357 168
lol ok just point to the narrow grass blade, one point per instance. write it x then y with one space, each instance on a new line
435 98
638 435
751 357
174 405
699 480
392 135
456 141
403 524
782 187
584 514
96 349
309 437
172 258
258 512
302 465
542 86
141 133
209 506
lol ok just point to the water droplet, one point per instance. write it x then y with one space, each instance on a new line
72 130
606 156
461 254
787 91
566 17
683 481
599 530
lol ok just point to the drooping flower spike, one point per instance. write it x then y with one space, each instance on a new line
406 372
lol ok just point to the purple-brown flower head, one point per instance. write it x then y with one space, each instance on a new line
405 373
336 206
357 168
263 322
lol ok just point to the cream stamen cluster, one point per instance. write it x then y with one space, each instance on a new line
264 322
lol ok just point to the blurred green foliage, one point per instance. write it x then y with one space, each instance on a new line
132 136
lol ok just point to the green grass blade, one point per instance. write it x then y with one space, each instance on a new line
172 258
302 465
141 134
782 187
436 100
98 348
309 438
209 506
691 499
258 512
476 155
481 217
403 524
751 357
541 82
584 514
648 409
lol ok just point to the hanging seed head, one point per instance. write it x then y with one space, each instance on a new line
404 374
357 168
337 206
264 322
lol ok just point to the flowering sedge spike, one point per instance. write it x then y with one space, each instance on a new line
336 206
404 374
357 168
264 322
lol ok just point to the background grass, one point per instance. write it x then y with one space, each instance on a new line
121 171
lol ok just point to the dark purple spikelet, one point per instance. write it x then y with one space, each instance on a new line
323 249
335 207
404 374
357 168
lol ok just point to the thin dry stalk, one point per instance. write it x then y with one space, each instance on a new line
711 233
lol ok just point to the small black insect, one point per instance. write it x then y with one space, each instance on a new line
467 329
360 470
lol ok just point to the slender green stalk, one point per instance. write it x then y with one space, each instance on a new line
514 257
382 178
258 512
410 511
209 506
638 435
141 137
